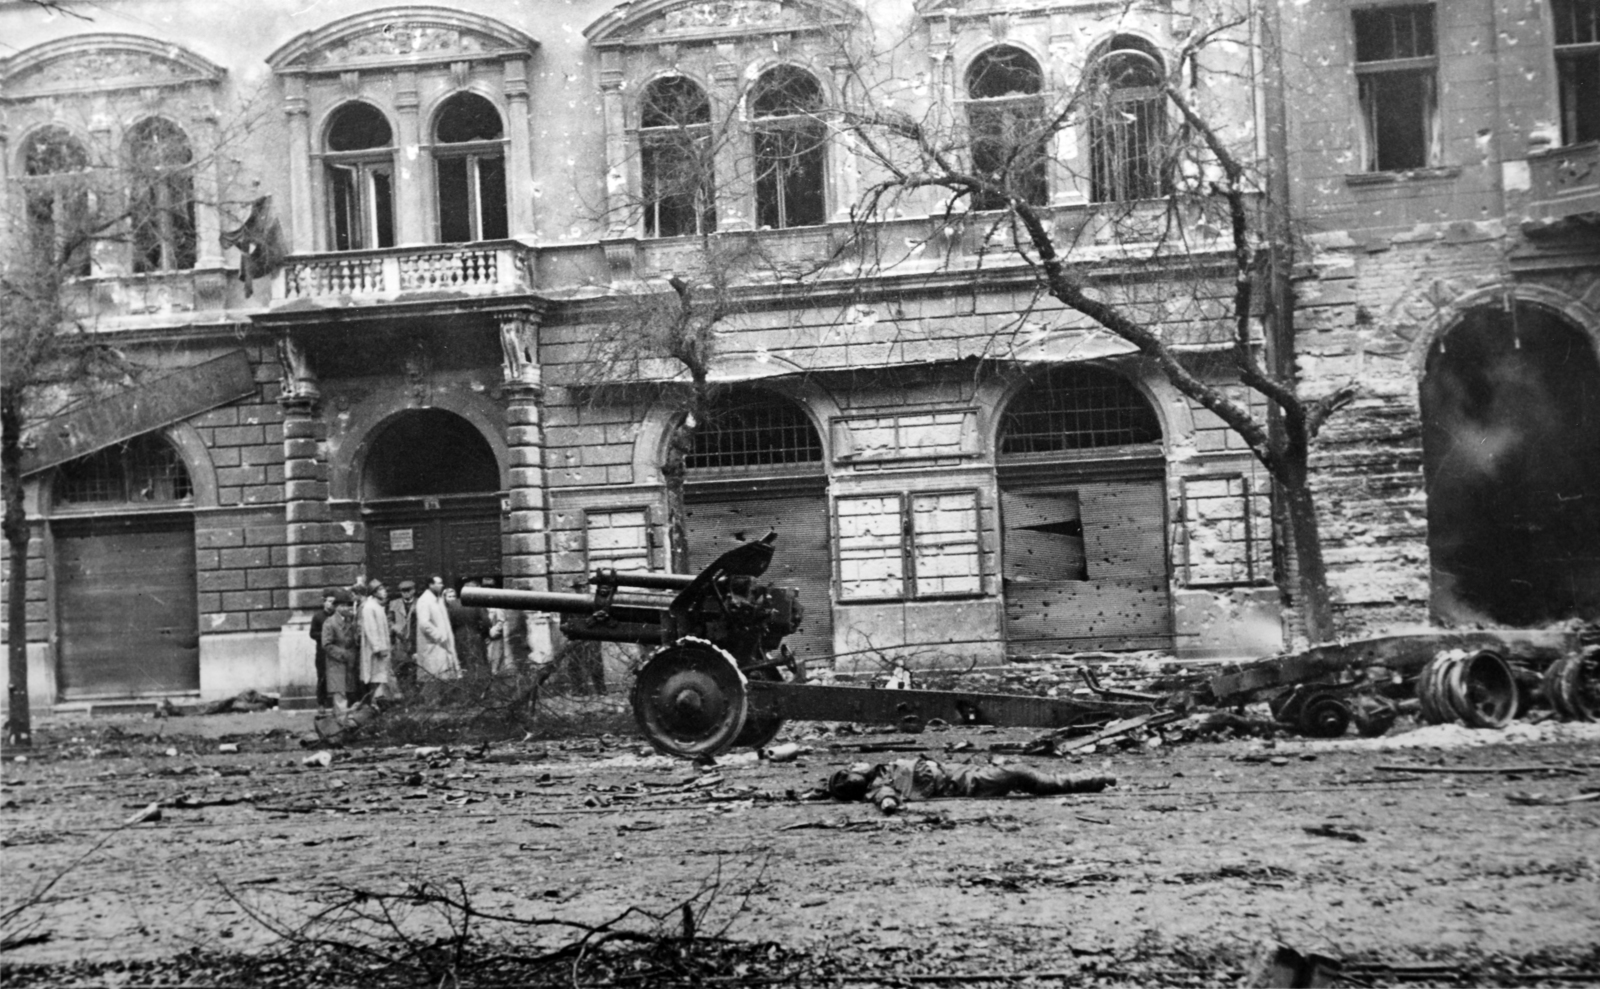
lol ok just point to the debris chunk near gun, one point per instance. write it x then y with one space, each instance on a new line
721 677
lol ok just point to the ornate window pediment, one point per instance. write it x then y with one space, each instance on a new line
101 62
657 22
400 37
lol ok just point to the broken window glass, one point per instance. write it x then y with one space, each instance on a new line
360 178
1577 43
56 170
161 203
790 144
675 159
1010 139
1127 123
470 169
1397 80
145 468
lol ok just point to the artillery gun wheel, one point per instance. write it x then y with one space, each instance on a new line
689 699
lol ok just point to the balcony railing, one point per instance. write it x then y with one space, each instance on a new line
1564 182
469 269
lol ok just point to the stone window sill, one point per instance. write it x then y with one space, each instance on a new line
1368 179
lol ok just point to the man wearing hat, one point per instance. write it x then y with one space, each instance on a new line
403 634
317 621
377 670
341 640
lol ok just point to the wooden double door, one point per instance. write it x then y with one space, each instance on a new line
458 541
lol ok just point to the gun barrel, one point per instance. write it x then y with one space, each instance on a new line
558 602
654 581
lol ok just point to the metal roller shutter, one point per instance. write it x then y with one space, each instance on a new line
127 614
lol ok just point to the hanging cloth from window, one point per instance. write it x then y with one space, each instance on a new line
260 243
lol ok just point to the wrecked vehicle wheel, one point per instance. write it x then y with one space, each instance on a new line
1431 690
1574 687
1324 716
1481 690
1373 717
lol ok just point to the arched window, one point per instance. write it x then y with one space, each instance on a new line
1005 111
753 429
161 196
1075 407
675 152
790 144
56 168
144 469
469 160
359 161
1127 122
1577 44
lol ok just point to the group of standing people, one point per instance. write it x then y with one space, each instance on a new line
374 650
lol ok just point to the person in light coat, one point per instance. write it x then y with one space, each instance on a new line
376 645
436 644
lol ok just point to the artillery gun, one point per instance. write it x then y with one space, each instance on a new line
715 678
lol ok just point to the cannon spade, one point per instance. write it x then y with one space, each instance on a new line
716 676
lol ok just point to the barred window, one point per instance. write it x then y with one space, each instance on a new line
143 469
1074 407
1128 121
753 430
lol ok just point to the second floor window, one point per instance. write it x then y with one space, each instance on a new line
359 162
1127 122
1577 41
55 171
469 159
790 143
161 197
675 159
1005 111
1397 77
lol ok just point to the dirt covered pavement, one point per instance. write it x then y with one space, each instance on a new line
1362 849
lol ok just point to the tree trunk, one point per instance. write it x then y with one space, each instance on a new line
19 720
672 473
1311 573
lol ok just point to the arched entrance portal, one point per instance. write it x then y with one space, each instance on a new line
126 607
1511 452
1083 511
430 492
757 466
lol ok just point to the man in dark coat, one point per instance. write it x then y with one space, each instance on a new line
317 621
341 640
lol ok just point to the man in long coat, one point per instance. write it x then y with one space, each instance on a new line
341 641
436 644
403 635
376 647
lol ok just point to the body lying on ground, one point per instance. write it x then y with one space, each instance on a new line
890 785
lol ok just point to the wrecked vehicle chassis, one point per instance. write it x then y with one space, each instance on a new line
1483 678
721 677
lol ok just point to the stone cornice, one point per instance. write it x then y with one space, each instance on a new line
396 37
102 62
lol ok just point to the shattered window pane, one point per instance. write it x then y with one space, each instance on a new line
470 170
1577 31
1127 122
790 146
161 197
1398 81
1010 136
360 178
675 158
144 469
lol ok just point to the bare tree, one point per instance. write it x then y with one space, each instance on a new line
1175 189
73 206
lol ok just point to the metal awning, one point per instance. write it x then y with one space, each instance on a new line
138 410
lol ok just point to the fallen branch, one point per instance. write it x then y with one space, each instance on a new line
1482 770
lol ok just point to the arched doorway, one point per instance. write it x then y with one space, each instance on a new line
126 607
757 465
1083 515
430 493
1511 453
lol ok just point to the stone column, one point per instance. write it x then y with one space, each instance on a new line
527 556
622 166
519 159
413 169
303 229
305 513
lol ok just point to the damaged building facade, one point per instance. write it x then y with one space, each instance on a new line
417 353
1449 199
